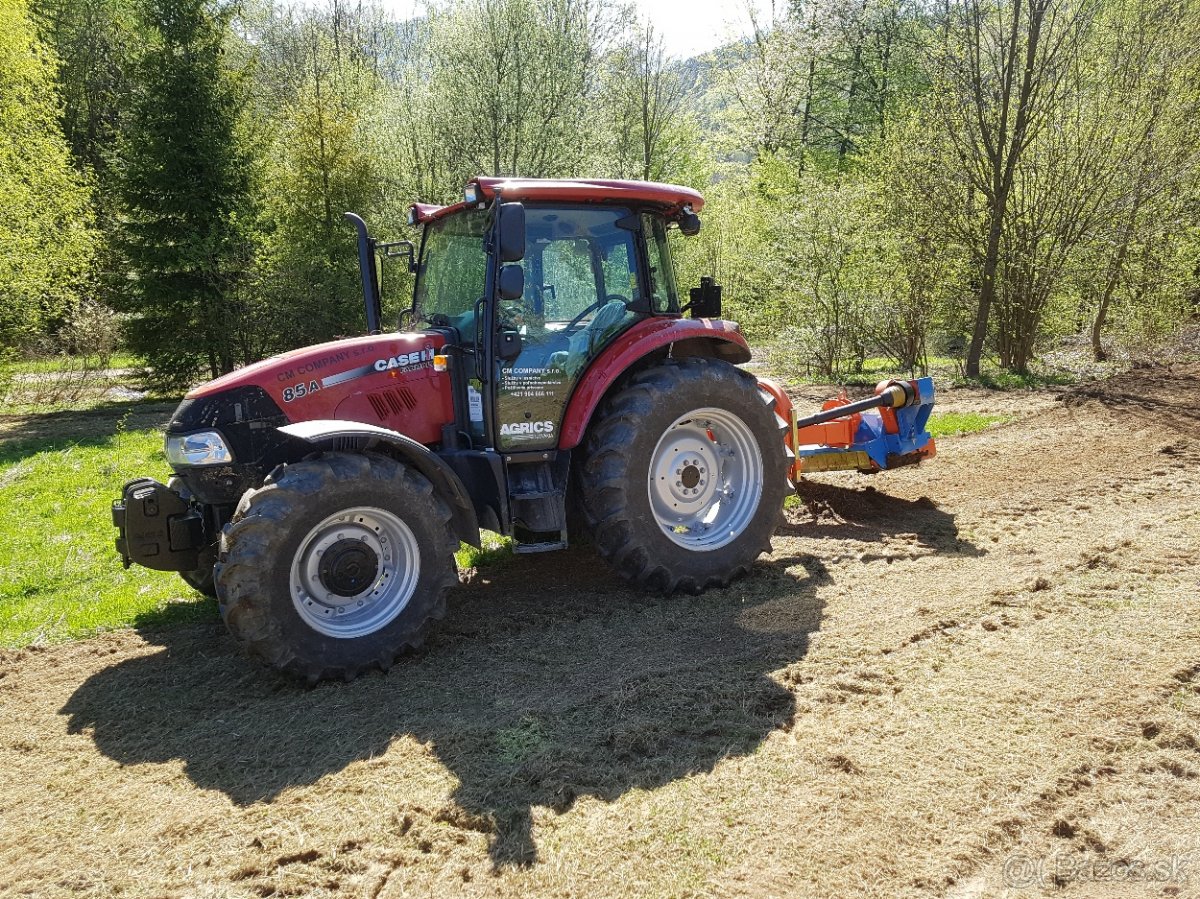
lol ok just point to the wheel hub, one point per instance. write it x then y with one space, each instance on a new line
355 572
348 567
705 479
682 476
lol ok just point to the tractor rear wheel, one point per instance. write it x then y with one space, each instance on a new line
684 476
335 565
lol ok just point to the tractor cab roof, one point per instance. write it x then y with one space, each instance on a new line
670 199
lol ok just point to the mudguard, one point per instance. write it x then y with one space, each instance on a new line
685 336
337 435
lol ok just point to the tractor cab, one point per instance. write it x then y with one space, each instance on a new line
565 268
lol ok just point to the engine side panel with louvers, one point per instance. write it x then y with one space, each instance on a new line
418 414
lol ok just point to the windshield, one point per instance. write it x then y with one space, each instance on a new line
453 267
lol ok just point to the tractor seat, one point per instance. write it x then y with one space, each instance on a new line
582 344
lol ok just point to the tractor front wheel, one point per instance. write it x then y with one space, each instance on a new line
684 476
335 565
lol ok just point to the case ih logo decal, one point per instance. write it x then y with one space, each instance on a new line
406 361
527 428
403 362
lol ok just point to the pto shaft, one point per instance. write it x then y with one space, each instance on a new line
896 394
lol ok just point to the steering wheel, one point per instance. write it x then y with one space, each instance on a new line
604 301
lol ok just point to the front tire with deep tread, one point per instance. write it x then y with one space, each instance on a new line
255 574
626 439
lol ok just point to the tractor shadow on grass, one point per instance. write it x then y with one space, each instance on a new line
549 680
867 515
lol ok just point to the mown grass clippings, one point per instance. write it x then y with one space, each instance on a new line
886 678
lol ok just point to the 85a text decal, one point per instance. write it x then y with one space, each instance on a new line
299 391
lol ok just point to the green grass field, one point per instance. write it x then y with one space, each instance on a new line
953 424
52 364
59 573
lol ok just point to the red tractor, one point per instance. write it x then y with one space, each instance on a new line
547 383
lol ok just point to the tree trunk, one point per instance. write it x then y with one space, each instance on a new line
987 288
1114 275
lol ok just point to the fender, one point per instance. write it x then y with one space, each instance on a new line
336 435
687 337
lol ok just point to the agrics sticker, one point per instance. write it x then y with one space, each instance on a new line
527 429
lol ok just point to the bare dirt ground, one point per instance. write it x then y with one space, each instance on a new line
976 678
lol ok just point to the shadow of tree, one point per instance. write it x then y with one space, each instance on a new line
547 681
830 512
1164 394
28 434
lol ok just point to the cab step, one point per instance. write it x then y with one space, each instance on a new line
544 547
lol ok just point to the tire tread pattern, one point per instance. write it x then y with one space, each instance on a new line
609 473
248 540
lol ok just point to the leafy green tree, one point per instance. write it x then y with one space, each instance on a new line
329 137
188 195
999 70
1146 73
46 237
322 169
650 137
94 41
512 81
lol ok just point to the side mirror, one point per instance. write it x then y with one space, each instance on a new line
512 282
706 299
511 228
689 223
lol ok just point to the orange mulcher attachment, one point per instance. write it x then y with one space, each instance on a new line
883 431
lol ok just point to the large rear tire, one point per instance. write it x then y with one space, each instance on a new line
336 565
684 476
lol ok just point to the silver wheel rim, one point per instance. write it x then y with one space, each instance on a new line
705 479
361 532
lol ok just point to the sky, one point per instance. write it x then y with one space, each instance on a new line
687 27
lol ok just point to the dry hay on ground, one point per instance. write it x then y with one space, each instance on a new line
938 671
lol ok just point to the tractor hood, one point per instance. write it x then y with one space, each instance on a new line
331 364
381 379
386 380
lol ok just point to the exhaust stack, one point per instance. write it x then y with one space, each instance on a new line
370 277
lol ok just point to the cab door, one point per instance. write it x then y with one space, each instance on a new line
582 290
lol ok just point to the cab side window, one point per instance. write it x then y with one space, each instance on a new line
569 284
663 297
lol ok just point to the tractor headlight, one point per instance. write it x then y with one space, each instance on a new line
471 194
201 448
